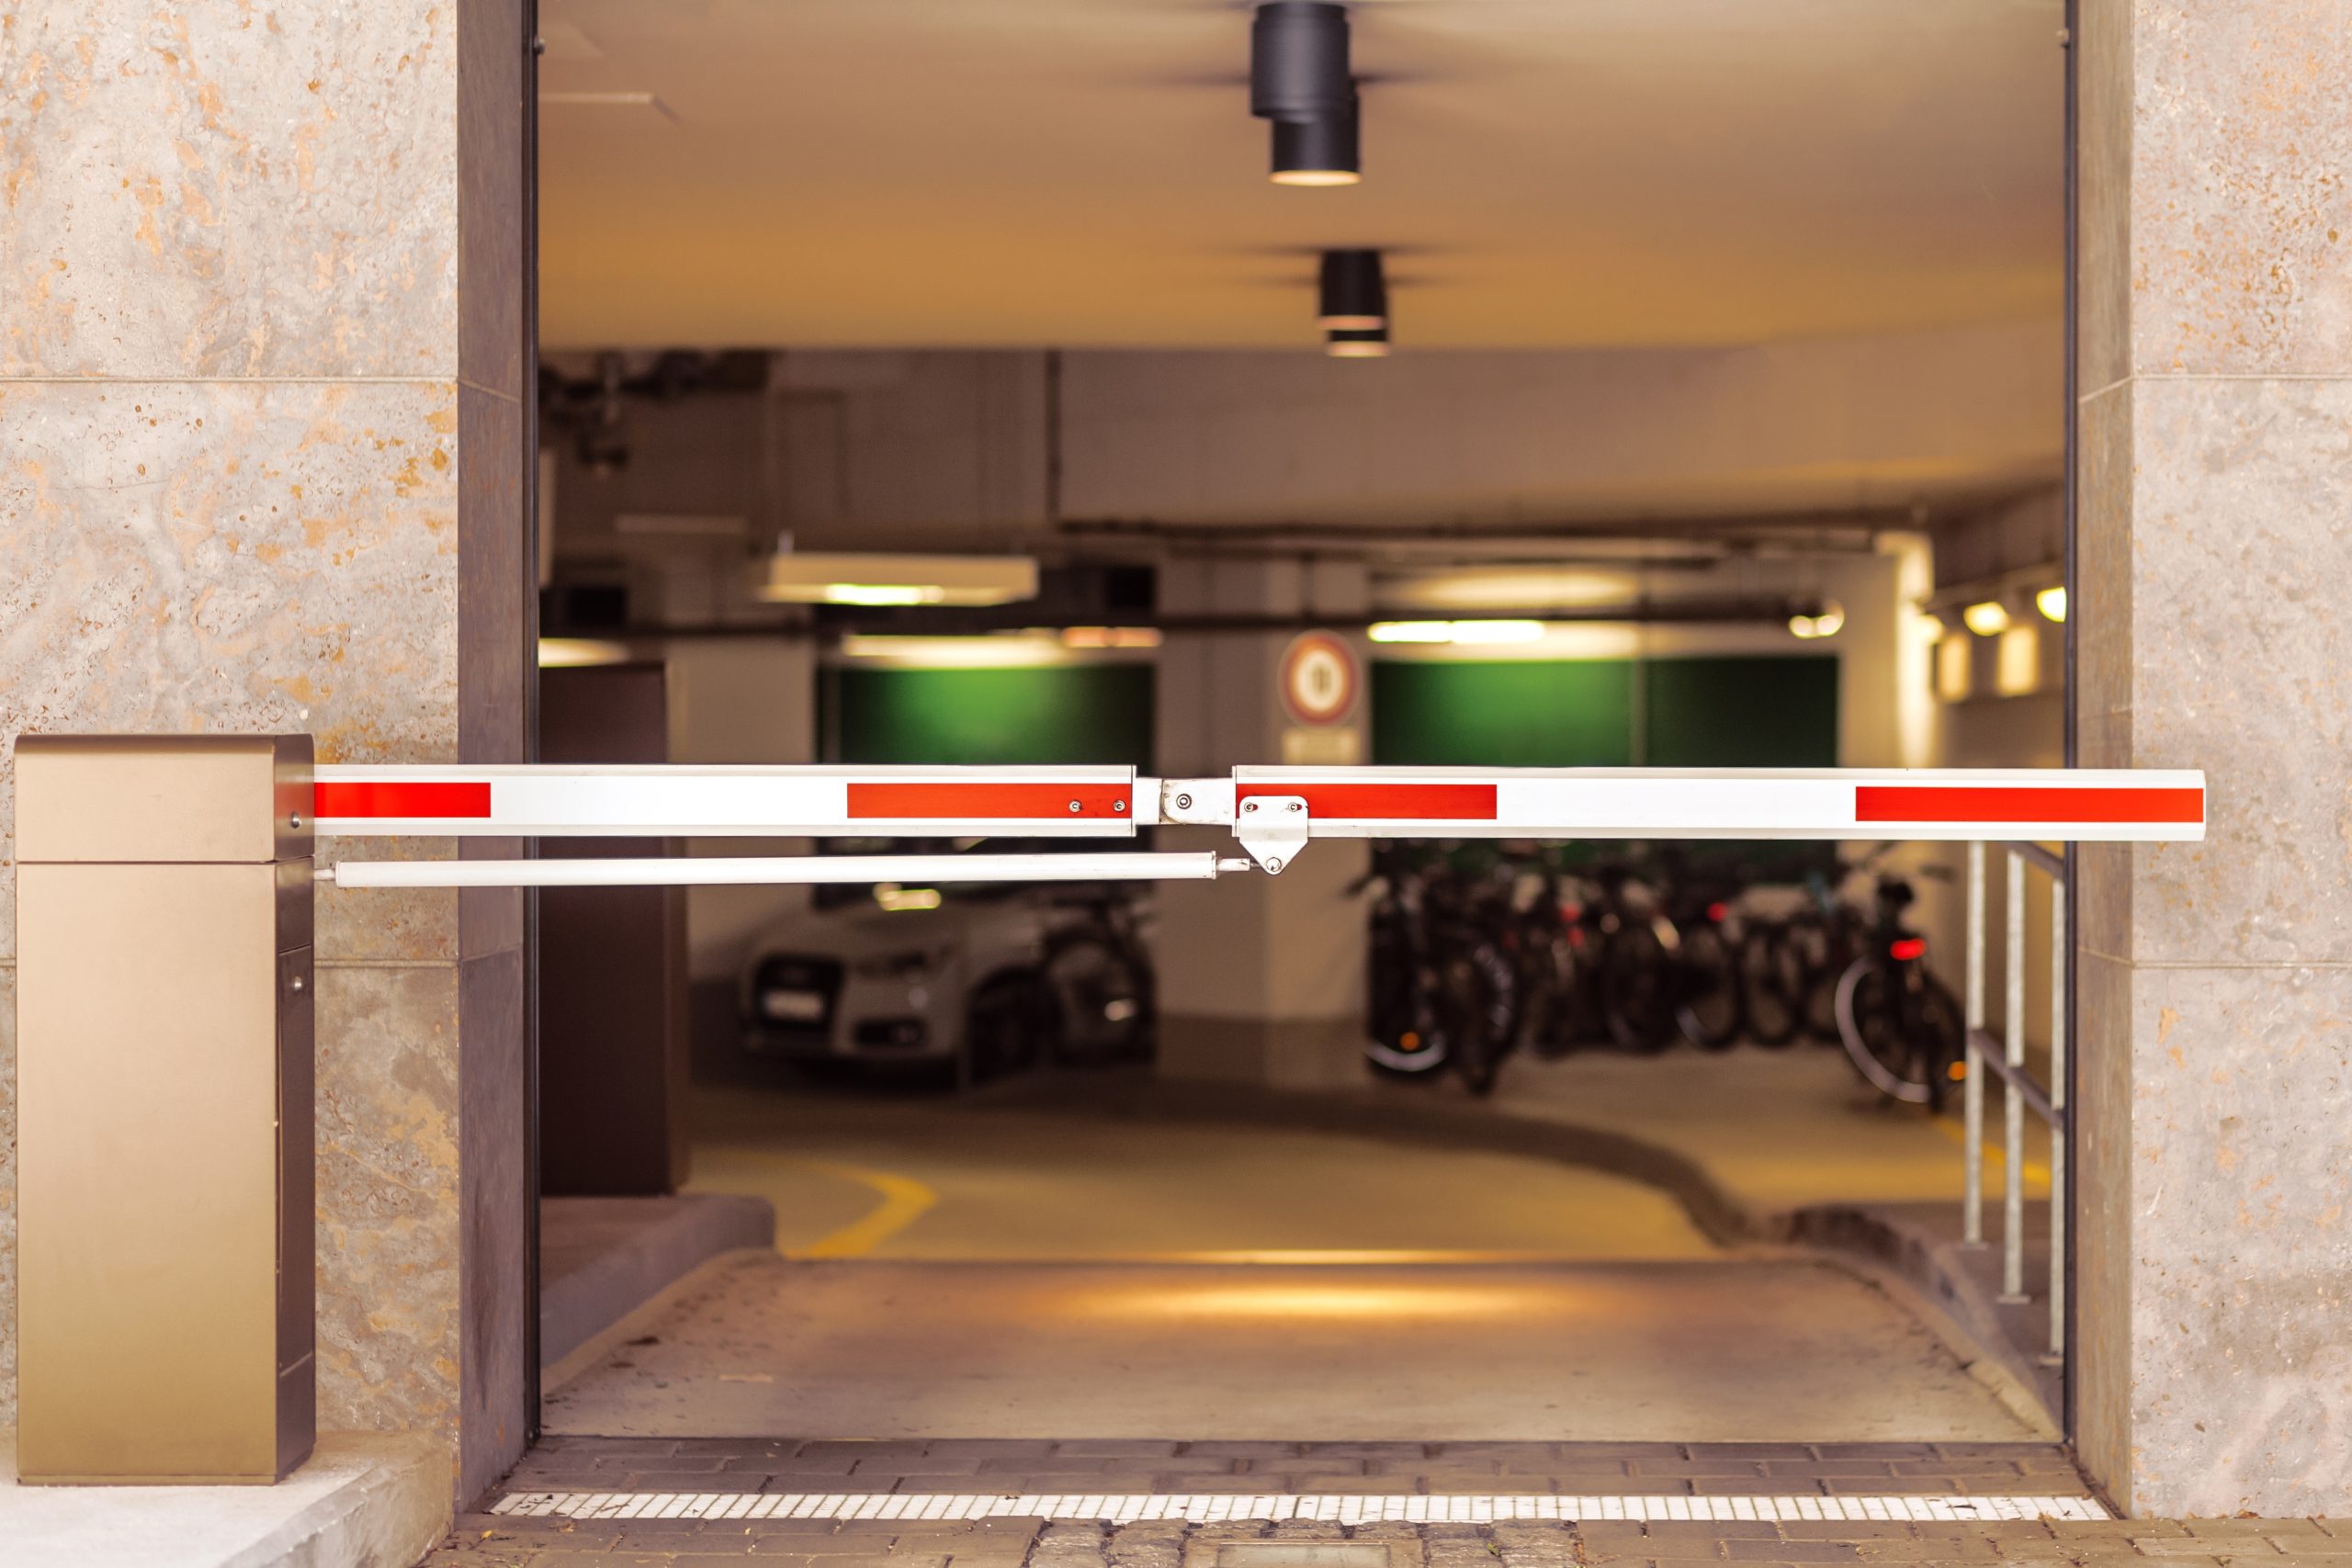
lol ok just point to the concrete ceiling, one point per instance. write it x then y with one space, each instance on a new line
1546 173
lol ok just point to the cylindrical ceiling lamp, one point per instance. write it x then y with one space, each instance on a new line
1354 290
1300 79
1357 343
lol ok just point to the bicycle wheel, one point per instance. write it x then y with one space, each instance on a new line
1771 985
1636 990
1882 1037
1708 1013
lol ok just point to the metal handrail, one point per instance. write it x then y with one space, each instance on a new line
2019 1091
2037 1099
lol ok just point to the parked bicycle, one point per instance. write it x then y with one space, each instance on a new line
1899 1024
1442 991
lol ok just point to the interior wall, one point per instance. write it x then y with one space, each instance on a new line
739 699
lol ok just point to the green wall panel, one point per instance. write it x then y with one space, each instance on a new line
1744 712
1524 714
1082 713
1732 712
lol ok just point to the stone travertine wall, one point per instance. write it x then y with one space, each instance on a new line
2215 419
230 498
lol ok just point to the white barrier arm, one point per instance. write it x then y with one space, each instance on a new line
1272 811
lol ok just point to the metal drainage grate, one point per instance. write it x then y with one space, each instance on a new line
1328 1507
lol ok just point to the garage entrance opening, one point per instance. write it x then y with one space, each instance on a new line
947 383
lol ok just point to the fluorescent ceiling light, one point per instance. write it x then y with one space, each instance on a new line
1987 617
997 651
1411 631
574 652
794 576
1471 589
1457 631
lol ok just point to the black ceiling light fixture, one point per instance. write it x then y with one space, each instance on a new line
1354 290
1352 305
1300 79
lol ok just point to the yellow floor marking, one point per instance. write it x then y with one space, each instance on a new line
904 1201
1994 1138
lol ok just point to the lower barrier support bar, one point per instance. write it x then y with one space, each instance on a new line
776 869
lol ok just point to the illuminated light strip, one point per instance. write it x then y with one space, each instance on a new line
2007 804
986 801
1328 1507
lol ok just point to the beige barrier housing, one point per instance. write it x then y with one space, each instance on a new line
167 1246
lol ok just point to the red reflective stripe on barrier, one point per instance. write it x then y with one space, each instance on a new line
1388 802
2023 803
988 801
388 799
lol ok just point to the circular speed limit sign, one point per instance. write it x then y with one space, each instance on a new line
1319 678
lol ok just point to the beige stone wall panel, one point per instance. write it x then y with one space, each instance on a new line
218 188
389 1231
2242 664
237 558
2241 188
2242 1256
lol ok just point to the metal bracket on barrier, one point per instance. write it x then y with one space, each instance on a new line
1273 829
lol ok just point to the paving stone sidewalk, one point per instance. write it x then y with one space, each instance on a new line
586 1464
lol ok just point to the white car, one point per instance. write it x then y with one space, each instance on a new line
976 981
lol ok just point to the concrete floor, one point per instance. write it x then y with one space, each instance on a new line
1776 1129
1764 1350
1024 1264
1038 1173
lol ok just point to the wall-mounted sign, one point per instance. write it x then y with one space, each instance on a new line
1319 677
